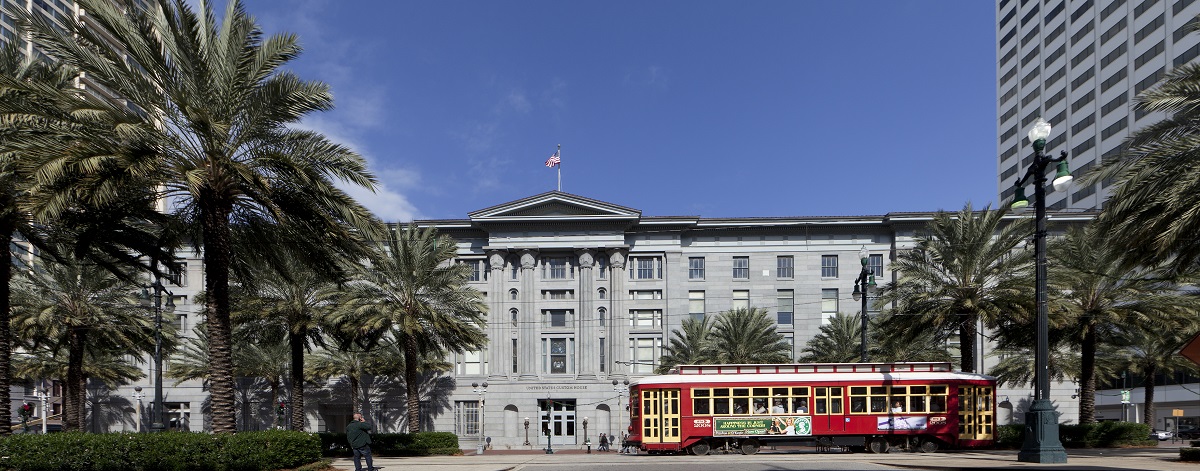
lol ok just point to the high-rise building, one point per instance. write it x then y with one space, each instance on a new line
1079 64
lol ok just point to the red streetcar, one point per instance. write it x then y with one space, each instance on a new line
876 406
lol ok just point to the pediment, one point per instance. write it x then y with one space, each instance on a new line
555 205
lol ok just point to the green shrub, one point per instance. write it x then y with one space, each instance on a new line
395 444
159 451
1189 454
1096 435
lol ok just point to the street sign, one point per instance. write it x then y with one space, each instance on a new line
1124 396
1177 412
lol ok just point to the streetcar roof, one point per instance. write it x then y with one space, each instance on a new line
760 378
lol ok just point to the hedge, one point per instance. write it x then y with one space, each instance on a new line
173 451
395 444
1189 454
1095 435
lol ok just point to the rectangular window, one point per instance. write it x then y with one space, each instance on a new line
741 299
644 353
1083 101
1180 5
875 263
1083 124
1030 56
1149 55
1112 31
1149 81
1008 37
558 294
741 268
177 274
1083 78
478 271
558 355
1114 55
1031 35
602 267
558 318
1149 29
471 363
645 318
829 266
1031 76
695 268
829 303
784 265
1143 7
1083 9
466 418
1113 80
645 268
1114 129
1056 76
1054 33
1057 97
603 361
514 355
1083 55
1031 96
1114 104
786 306
1082 33
555 268
1187 56
646 294
1111 8
1007 57
1055 11
1030 15
696 304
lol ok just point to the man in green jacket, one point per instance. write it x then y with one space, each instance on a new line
358 433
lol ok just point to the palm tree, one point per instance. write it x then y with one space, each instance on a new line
213 107
899 345
689 346
748 335
1102 296
350 363
1153 352
1150 208
75 307
966 266
108 364
294 306
838 342
416 294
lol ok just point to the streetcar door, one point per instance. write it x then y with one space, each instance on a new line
975 414
660 416
827 413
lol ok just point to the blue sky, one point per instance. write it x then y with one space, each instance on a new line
707 108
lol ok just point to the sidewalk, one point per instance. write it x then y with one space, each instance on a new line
1148 459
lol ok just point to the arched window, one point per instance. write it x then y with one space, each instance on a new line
602 293
601 314
512 294
513 312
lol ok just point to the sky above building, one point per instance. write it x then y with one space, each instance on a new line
705 108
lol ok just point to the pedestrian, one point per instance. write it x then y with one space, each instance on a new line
603 442
358 433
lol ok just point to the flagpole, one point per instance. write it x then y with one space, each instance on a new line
559 154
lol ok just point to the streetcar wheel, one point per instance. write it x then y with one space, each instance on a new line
928 446
700 448
878 445
749 447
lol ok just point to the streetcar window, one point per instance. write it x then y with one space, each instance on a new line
700 392
821 400
761 392
721 405
916 403
741 405
741 392
899 390
878 390
779 391
800 392
878 403
800 405
917 389
858 390
835 405
858 404
700 406
937 404
721 392
937 390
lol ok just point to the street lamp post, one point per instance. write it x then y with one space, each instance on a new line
586 442
480 389
621 388
139 395
527 431
156 416
864 284
44 395
549 437
1041 444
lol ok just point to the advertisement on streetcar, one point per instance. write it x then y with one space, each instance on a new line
775 425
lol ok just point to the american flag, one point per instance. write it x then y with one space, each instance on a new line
553 160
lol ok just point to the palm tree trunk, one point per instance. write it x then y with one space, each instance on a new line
71 396
6 340
296 344
355 395
215 214
411 381
1148 383
1087 376
966 343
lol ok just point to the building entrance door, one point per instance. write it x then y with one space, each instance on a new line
558 420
